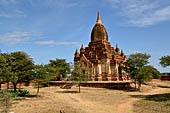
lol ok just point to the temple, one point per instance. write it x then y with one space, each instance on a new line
104 60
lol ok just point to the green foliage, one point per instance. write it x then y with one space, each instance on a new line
21 66
136 67
18 68
6 98
60 66
7 68
2 68
19 93
22 93
135 62
165 61
165 74
155 73
5 101
13 94
138 60
42 76
144 74
80 73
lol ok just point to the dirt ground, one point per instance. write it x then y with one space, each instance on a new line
90 100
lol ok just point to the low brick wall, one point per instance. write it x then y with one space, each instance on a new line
58 83
165 78
98 84
18 85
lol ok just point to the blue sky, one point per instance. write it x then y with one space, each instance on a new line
49 29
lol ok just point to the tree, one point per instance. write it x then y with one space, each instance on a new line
165 61
143 75
7 68
2 67
60 66
5 101
42 75
21 68
80 73
134 65
155 73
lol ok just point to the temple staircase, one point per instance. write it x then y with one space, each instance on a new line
68 85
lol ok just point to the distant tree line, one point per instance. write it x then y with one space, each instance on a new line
165 74
18 67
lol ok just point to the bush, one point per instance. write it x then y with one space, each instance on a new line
22 93
13 94
19 93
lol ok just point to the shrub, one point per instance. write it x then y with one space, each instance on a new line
22 93
19 93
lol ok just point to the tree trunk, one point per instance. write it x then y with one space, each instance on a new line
15 87
7 85
135 83
0 85
79 87
38 89
139 85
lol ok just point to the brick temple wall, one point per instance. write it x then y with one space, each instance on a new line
98 84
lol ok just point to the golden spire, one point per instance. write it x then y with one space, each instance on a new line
117 48
116 45
98 19
76 53
81 45
122 53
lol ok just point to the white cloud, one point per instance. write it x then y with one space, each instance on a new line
50 42
16 37
14 8
59 3
13 14
143 12
10 9
8 2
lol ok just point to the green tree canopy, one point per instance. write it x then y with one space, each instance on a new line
80 73
155 73
165 61
60 66
42 75
135 62
143 75
2 68
135 65
21 68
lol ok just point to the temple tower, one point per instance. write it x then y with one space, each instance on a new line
101 57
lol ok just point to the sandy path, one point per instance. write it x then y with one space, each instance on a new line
89 105
127 107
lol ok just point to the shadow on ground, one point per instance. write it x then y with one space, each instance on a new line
163 86
67 92
30 96
156 97
131 89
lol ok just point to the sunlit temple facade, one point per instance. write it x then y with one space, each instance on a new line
103 59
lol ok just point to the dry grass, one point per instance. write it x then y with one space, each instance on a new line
54 99
90 100
155 103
